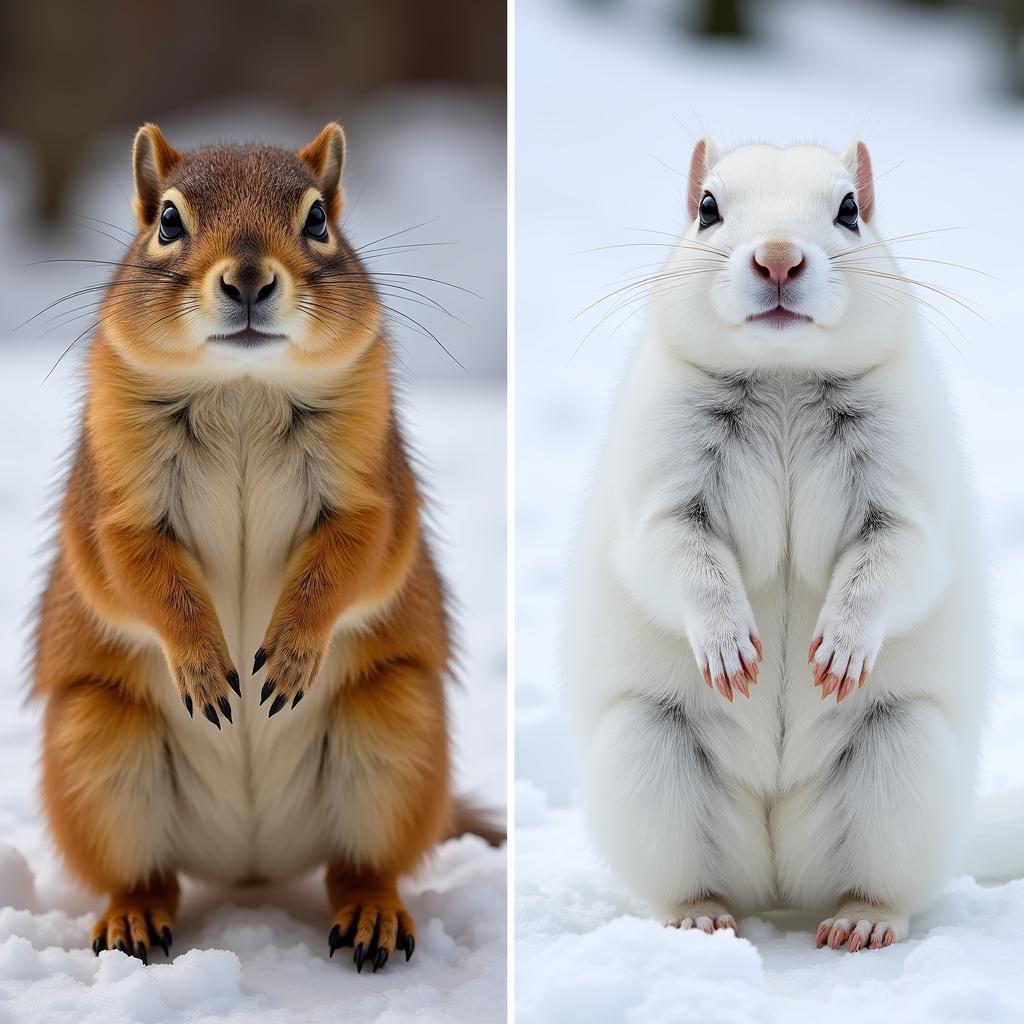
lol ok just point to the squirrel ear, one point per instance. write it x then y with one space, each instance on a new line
858 160
705 156
153 158
325 157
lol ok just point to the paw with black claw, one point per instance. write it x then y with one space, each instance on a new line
205 678
375 930
292 663
133 930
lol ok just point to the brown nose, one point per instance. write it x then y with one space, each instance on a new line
248 285
778 260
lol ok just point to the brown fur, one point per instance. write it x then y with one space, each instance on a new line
124 586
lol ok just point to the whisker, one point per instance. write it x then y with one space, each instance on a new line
395 234
155 271
959 300
916 259
144 287
897 239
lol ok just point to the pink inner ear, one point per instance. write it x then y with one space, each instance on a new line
698 172
865 181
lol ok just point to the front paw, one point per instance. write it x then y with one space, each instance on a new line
728 657
292 662
202 674
843 653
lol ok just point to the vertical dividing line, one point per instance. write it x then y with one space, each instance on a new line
510 507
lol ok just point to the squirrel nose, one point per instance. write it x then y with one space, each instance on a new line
248 286
778 260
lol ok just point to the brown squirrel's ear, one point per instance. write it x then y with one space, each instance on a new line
325 157
153 158
858 160
705 156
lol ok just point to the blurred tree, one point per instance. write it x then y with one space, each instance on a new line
722 18
70 69
1013 16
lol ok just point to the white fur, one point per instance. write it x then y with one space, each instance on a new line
786 482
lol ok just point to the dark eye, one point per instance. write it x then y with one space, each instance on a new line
847 215
316 222
171 227
708 213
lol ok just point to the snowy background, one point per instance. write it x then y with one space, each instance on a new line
610 99
261 955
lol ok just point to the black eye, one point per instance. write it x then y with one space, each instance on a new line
316 222
708 212
847 215
171 227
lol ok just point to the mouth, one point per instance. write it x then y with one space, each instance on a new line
779 316
248 338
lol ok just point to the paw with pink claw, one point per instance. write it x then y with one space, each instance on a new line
707 916
841 663
732 667
836 932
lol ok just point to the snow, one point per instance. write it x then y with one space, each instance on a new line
261 955
609 104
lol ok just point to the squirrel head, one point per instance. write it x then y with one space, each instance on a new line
239 265
782 264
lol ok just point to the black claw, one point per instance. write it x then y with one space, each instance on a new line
380 959
121 946
140 952
279 702
334 939
259 661
298 697
410 945
165 940
360 958
225 707
99 944
211 715
268 689
234 683
188 705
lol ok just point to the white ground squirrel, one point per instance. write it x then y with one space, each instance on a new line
782 500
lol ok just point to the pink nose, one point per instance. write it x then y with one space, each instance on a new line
778 263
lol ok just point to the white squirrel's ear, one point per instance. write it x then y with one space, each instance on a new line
153 158
705 156
858 160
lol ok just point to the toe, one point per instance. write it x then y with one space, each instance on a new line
823 932
860 936
726 922
406 933
839 934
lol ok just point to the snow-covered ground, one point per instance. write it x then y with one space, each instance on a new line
261 955
610 102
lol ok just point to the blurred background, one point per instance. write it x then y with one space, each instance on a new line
420 89
611 96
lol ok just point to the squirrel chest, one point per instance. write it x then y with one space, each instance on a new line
240 481
787 469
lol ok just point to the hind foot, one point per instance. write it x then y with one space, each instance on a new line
861 926
706 916
137 920
369 917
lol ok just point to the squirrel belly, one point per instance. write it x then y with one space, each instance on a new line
239 472
777 639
